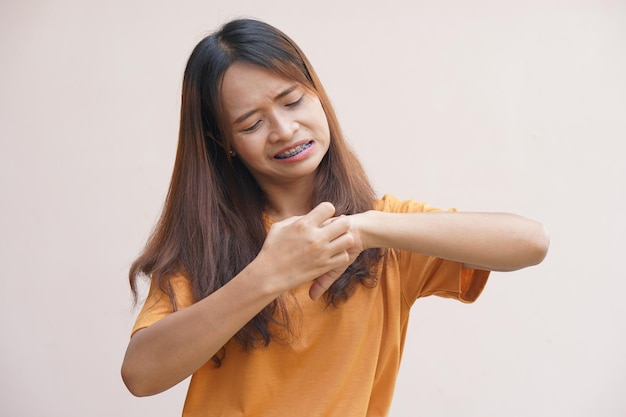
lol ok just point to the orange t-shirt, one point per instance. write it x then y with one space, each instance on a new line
344 360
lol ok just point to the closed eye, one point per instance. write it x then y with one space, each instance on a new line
295 103
253 127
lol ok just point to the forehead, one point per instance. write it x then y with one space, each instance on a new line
246 87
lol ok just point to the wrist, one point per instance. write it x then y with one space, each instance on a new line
367 225
266 281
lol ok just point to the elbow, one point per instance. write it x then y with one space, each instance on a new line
538 245
132 383
530 249
135 383
137 373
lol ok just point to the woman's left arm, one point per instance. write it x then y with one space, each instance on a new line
487 241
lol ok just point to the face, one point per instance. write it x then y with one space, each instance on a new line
279 128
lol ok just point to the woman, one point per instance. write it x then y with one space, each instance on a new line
277 278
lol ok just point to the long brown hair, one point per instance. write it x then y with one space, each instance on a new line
212 224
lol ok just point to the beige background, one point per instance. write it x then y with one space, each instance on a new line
482 105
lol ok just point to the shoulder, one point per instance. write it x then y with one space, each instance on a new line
392 204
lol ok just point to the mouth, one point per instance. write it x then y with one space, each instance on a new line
294 151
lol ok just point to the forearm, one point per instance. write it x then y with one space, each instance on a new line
165 353
490 241
296 251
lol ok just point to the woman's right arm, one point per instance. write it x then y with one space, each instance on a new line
295 251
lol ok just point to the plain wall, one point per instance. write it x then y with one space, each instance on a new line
485 105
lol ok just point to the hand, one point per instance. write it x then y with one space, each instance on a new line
301 249
322 283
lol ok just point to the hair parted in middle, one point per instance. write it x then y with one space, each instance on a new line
212 223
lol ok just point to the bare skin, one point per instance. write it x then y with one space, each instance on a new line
307 244
303 249
296 251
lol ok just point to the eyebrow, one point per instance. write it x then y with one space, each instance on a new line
278 97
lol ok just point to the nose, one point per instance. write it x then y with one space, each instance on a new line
283 128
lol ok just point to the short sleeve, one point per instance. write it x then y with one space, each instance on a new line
158 304
423 275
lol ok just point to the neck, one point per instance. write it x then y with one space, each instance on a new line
289 200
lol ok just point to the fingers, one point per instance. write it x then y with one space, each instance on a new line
320 213
320 218
318 288
341 243
315 247
322 283
340 262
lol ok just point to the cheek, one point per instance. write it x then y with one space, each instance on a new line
321 119
324 122
247 148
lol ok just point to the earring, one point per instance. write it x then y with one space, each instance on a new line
231 152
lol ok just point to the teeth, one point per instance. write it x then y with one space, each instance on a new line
294 151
